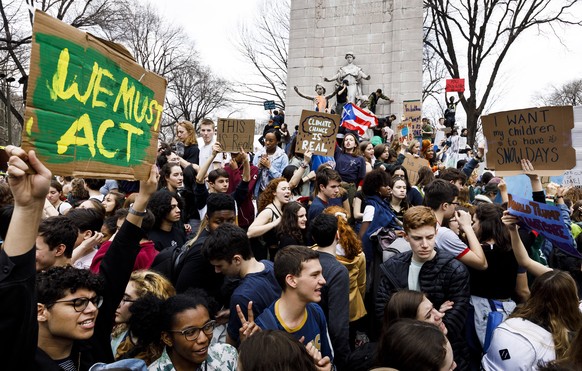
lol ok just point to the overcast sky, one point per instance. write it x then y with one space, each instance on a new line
534 63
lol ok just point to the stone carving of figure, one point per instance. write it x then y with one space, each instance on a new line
354 74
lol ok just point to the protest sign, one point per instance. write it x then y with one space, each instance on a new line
269 104
412 114
572 178
541 135
545 219
317 132
412 165
91 110
404 132
232 134
455 85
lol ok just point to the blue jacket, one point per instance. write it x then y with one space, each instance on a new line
383 217
278 164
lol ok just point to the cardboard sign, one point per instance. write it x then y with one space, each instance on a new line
455 85
541 135
91 110
404 132
269 104
412 165
413 114
545 219
572 178
317 132
232 134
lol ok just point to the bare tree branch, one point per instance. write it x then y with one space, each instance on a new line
264 44
483 32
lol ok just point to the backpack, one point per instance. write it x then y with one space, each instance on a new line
388 243
168 261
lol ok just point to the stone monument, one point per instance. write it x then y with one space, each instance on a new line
384 35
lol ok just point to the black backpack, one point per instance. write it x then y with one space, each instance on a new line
169 261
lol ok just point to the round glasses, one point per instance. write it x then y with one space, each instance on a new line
192 333
80 304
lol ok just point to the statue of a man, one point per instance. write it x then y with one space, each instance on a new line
353 74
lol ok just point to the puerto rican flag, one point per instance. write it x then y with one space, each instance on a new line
356 119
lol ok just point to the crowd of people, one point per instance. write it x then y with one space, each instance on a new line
279 260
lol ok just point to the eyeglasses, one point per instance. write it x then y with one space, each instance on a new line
454 203
80 304
127 300
192 333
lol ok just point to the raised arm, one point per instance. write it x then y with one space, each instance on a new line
298 174
117 265
263 223
29 181
216 149
476 257
519 250
302 95
536 184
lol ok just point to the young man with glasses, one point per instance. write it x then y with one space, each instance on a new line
73 322
441 196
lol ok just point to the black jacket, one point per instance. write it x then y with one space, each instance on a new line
442 278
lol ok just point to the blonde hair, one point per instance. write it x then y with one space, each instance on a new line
145 282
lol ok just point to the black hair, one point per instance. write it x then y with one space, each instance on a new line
191 299
110 223
165 172
86 219
288 172
438 192
324 229
160 204
288 225
373 181
152 315
94 184
227 241
491 227
290 261
57 282
219 202
486 177
275 132
400 167
58 230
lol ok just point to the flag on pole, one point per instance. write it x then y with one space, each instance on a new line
356 119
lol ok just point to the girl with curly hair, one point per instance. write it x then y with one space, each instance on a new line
276 195
124 343
291 230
